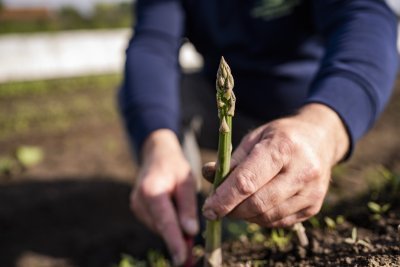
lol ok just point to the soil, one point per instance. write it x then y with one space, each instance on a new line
377 242
72 209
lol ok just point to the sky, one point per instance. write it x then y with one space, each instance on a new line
85 6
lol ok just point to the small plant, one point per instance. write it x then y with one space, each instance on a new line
7 165
378 210
255 233
353 240
314 222
129 261
392 178
333 223
29 156
279 238
154 259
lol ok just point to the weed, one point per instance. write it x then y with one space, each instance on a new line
333 223
377 209
279 238
154 259
314 222
353 240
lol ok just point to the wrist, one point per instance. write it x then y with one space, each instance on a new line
161 142
331 127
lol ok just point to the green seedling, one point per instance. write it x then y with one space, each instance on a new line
279 238
6 166
314 222
377 209
333 223
380 177
392 178
353 240
154 259
129 261
29 156
255 233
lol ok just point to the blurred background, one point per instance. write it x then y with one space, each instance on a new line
60 66
65 164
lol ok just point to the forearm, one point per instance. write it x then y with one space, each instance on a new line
358 70
149 96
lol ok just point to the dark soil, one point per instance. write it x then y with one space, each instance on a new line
72 208
377 242
72 223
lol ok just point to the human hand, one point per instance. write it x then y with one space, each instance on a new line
165 175
281 170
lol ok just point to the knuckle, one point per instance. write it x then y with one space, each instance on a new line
146 189
311 172
245 183
274 197
257 205
277 214
280 151
311 211
286 146
219 205
314 170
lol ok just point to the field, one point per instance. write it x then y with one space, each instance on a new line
68 206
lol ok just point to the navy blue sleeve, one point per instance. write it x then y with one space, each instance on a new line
149 95
358 70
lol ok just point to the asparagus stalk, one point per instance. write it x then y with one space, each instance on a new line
226 109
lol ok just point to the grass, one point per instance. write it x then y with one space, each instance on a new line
55 105
104 16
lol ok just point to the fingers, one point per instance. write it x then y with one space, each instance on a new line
158 213
296 209
275 192
186 205
140 210
262 164
166 224
291 220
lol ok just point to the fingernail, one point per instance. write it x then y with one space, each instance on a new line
191 226
178 260
210 214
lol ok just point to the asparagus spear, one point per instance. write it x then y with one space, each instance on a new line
226 109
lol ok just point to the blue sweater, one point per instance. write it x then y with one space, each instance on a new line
283 54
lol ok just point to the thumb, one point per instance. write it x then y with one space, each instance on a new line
208 171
